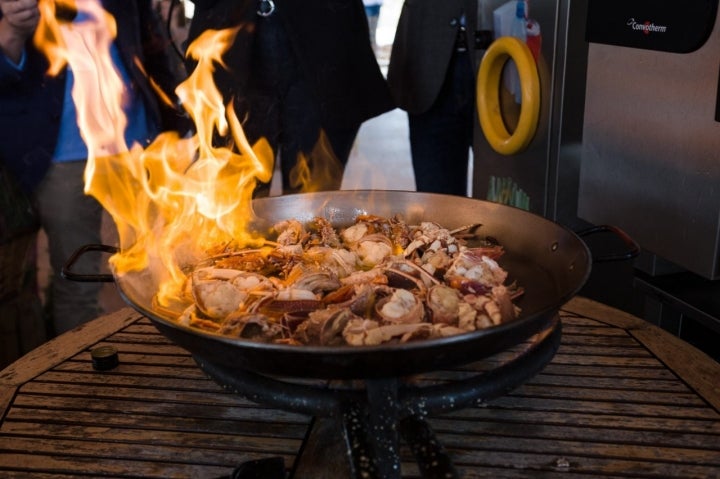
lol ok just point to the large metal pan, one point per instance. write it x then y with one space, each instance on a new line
549 261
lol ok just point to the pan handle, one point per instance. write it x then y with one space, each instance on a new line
633 248
67 272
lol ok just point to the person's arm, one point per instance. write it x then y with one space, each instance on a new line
18 20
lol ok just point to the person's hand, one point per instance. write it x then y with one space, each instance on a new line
18 22
21 16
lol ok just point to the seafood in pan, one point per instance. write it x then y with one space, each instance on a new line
376 281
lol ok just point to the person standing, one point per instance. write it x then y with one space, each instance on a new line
40 142
431 76
297 72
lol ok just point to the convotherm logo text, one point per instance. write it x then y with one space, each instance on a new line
646 27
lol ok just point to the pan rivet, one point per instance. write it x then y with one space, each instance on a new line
554 247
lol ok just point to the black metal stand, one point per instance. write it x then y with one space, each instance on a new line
376 416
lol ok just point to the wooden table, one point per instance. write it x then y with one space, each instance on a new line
621 398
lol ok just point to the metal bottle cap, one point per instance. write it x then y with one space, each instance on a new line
104 358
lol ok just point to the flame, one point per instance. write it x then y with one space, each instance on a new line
179 197
84 47
318 171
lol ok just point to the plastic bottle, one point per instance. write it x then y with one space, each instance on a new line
519 27
534 38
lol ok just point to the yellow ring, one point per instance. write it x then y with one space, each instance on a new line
488 95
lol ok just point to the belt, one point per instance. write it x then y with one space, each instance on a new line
265 8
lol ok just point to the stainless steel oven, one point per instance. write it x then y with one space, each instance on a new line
628 135
651 132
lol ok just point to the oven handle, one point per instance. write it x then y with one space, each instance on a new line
488 95
68 273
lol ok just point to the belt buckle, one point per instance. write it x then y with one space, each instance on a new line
266 8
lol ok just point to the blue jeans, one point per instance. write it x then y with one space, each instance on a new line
441 137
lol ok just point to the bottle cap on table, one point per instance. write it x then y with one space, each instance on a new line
104 358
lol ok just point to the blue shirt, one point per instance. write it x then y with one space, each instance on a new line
70 145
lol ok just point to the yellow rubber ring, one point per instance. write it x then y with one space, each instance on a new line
488 95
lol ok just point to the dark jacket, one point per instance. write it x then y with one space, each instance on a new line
331 41
31 101
424 43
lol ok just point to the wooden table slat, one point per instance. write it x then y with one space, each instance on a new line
530 418
601 350
598 407
91 466
45 435
579 359
543 465
598 330
257 424
243 410
496 430
228 456
617 341
599 382
569 369
77 392
83 361
183 379
648 398
644 452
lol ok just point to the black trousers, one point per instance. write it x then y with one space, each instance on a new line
441 137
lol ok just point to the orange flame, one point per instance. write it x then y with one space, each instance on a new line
318 171
178 197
